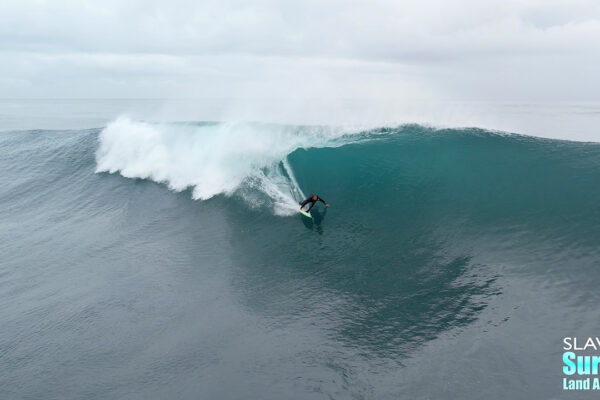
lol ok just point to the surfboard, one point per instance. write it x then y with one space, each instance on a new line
305 214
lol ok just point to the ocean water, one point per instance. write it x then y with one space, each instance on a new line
147 259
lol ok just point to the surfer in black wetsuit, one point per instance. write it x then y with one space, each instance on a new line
312 199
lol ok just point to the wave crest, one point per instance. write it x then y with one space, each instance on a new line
248 159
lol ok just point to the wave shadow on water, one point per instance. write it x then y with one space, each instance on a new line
376 297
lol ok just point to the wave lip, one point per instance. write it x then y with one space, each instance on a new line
248 159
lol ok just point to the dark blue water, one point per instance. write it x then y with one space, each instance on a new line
450 264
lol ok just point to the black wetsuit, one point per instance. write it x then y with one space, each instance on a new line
309 199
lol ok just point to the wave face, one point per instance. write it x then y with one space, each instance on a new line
439 245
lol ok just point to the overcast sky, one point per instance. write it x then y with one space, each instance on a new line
447 49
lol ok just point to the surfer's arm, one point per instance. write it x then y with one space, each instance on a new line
323 201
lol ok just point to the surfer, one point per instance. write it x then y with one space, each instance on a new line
312 199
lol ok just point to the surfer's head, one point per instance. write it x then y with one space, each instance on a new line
314 197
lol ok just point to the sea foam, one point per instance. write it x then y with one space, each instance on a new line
247 159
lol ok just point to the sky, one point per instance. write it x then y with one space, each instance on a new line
528 50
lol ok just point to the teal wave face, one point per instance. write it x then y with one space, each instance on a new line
417 178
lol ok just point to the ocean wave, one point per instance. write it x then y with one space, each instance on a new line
469 172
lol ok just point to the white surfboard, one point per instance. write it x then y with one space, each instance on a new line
305 214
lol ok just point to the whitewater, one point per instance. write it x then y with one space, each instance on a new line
245 159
